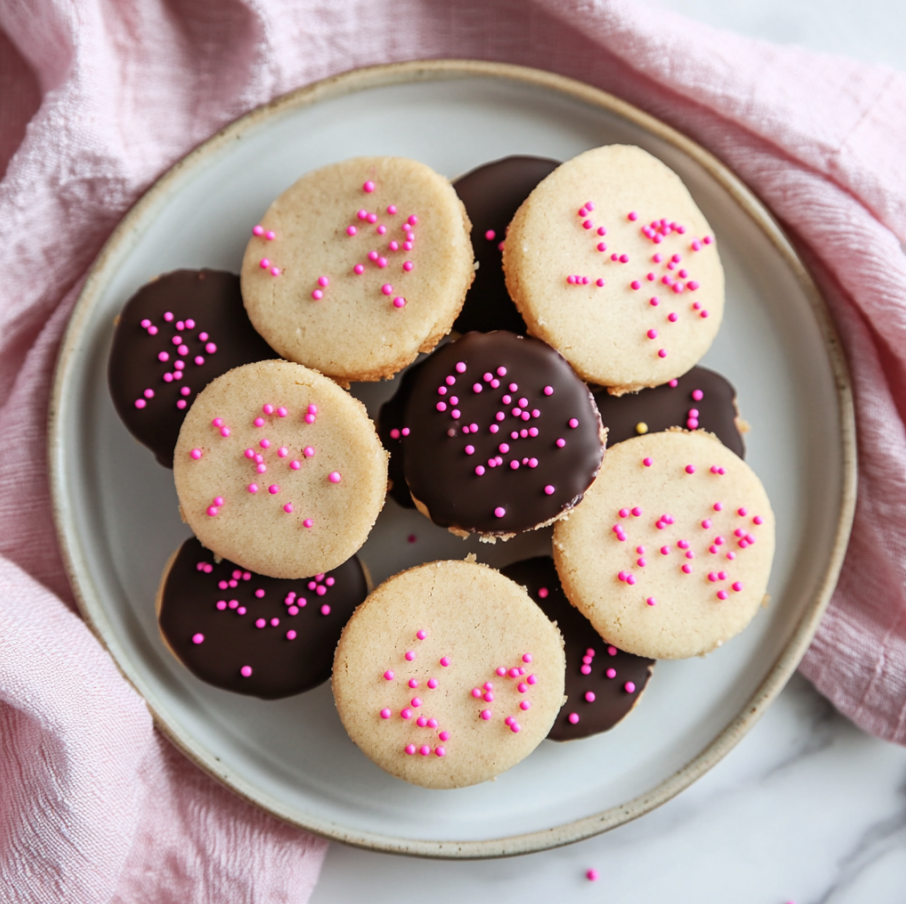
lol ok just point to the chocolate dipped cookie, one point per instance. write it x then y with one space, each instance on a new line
503 437
249 633
174 336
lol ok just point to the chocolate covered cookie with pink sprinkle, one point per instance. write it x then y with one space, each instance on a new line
251 634
500 436
174 336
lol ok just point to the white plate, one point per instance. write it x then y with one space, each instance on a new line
118 521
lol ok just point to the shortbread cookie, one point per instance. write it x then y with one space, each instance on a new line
251 634
448 674
610 261
359 266
279 470
669 554
603 684
173 337
698 400
492 194
502 435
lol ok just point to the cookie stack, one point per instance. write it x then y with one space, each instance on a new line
598 289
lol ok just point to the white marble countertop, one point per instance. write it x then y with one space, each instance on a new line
807 808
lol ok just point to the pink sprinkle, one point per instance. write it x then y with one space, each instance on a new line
406 713
413 683
573 718
662 353
445 661
368 187
687 569
264 263
592 875
652 334
410 749
291 635
358 269
758 520
629 687
486 715
741 512
399 302
499 512
647 462
410 656
334 477
245 671
408 265
432 683
386 714
253 488
654 302
288 508
590 696
273 489
388 675
549 490
440 751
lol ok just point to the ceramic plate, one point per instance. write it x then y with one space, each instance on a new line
117 513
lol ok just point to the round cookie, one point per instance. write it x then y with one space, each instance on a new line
610 261
492 194
669 555
359 266
448 674
252 634
174 336
603 684
279 470
503 436
700 399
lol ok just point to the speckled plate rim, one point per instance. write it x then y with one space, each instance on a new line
787 661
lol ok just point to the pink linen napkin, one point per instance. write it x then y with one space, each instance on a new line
98 97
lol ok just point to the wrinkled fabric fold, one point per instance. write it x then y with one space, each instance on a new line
99 97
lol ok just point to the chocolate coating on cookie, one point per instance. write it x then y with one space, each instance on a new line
154 379
503 436
390 424
255 635
700 400
611 698
492 194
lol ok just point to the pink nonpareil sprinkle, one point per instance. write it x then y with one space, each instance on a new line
592 875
